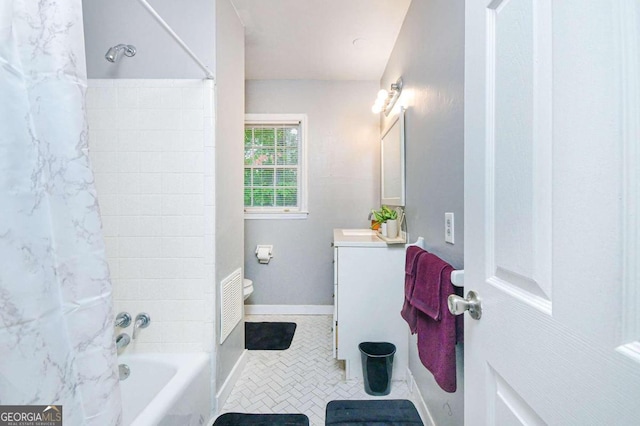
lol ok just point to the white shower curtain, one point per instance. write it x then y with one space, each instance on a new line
56 320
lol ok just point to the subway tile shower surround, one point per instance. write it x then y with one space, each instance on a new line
152 150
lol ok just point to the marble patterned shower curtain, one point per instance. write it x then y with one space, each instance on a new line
56 320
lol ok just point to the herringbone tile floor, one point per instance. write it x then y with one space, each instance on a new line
301 379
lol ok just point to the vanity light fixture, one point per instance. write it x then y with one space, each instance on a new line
386 100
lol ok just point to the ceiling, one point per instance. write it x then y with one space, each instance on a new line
319 39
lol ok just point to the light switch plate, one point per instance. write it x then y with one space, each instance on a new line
449 228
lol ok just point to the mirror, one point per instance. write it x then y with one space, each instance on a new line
392 180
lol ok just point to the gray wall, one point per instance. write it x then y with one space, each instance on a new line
229 159
429 55
343 158
107 23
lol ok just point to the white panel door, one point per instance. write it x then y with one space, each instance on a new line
551 212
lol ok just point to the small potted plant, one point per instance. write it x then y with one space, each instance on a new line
387 220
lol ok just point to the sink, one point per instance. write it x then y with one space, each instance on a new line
358 232
357 238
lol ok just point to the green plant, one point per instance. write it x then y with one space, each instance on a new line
384 214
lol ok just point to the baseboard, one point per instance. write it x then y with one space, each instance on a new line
288 309
232 378
417 398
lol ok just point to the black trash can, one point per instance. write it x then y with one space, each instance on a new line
377 366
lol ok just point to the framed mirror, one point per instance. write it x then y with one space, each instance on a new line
392 179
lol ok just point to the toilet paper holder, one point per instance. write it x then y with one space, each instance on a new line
263 253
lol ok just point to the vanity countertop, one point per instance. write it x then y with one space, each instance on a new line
357 238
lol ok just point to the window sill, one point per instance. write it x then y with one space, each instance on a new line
276 216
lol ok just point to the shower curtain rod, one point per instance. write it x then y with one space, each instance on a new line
177 38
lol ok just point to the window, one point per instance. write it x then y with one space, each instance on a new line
274 166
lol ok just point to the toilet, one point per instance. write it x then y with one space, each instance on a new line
247 288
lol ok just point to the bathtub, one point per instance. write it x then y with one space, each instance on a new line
166 389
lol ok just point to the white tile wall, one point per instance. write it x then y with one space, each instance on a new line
152 150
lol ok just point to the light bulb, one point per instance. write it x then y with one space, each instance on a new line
376 109
382 95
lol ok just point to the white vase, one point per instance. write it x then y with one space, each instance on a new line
392 228
383 229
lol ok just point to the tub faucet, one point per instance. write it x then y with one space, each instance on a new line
122 340
142 321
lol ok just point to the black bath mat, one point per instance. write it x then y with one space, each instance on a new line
387 412
268 336
241 419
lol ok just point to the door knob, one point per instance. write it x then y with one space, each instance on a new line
457 305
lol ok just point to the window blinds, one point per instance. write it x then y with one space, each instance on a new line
272 166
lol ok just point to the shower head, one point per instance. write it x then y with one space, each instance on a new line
113 53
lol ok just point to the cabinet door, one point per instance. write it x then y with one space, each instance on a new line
370 297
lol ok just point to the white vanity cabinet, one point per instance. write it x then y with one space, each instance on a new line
369 293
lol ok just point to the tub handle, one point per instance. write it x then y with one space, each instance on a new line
142 321
123 319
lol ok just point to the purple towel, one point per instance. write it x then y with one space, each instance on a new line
410 315
427 287
409 312
427 290
412 255
411 263
437 339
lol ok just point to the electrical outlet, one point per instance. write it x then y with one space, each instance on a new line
449 228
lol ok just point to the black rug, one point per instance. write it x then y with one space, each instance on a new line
241 419
268 336
387 412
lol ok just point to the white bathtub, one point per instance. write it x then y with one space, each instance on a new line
166 389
